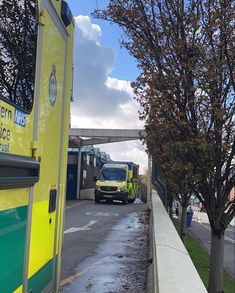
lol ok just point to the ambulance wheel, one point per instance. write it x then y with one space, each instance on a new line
125 200
97 200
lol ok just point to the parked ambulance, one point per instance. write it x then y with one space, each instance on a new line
117 181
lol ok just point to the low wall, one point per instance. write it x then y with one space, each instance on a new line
87 194
173 270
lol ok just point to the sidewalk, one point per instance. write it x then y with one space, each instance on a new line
232 223
202 217
200 228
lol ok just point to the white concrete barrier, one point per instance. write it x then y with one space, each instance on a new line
173 269
87 194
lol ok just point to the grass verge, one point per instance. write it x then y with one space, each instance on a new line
201 261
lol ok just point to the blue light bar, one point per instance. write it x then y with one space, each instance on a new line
66 13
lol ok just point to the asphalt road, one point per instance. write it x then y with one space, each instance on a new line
105 248
201 229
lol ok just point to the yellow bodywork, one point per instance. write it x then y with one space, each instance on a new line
19 290
118 184
45 137
121 184
53 147
112 188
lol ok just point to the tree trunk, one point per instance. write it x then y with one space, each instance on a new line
216 273
170 207
170 211
183 224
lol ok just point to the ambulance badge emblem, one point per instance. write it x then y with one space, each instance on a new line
53 86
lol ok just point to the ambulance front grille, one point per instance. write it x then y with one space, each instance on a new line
108 188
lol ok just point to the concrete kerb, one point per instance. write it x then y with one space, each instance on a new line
150 273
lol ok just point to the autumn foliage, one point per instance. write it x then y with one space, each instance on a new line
185 53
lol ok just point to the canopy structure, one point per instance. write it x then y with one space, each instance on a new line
79 137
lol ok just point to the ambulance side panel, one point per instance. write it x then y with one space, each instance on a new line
16 135
33 139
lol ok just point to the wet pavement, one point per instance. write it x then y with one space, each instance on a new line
119 263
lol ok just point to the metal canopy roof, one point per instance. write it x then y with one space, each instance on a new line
102 136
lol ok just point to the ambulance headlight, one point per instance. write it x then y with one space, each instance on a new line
121 189
97 188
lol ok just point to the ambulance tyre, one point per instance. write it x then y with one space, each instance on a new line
125 200
97 200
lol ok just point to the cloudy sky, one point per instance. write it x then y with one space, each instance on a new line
103 96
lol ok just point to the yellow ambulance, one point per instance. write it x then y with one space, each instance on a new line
36 39
117 180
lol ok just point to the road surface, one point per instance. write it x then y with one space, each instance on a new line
105 248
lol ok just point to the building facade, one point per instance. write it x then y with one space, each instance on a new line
91 160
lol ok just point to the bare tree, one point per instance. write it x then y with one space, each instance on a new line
18 43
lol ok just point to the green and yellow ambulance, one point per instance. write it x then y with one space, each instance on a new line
117 181
36 39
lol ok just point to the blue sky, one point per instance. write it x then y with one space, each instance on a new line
125 65
103 97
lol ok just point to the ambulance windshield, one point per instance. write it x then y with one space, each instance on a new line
113 174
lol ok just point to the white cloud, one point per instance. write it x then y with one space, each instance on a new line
127 151
102 101
89 30
121 85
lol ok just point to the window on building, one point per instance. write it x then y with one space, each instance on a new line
84 174
91 160
88 159
18 46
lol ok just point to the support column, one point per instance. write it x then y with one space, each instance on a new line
149 182
79 172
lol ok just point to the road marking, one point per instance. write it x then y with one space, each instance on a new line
77 204
84 228
225 237
102 214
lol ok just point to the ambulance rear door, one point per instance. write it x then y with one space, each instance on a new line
19 171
